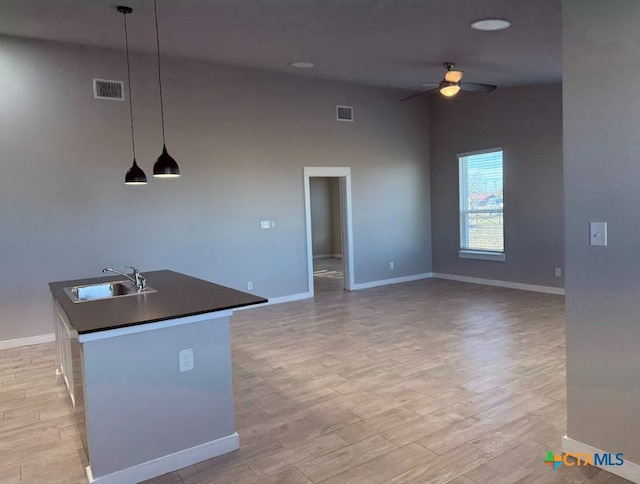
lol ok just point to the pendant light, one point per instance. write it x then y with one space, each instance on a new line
135 175
165 166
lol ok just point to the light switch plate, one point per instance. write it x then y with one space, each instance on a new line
598 234
265 224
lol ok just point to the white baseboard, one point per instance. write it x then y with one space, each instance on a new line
507 284
289 298
279 300
169 463
628 470
327 256
395 280
31 340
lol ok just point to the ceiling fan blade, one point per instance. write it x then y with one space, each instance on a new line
453 76
418 94
477 87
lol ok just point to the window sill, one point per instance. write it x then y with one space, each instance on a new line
481 255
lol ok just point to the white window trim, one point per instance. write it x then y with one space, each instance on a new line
480 152
481 255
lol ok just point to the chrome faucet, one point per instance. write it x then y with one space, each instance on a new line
138 279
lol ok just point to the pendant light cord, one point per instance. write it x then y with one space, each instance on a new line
126 43
155 10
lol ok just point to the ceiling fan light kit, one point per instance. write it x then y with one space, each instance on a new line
453 76
452 85
449 89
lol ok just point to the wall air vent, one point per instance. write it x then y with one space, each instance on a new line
111 90
344 113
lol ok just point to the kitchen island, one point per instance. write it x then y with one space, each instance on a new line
140 409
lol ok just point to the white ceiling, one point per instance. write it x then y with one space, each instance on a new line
392 43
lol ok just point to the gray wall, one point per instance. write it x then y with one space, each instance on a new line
527 123
241 137
601 122
325 216
325 229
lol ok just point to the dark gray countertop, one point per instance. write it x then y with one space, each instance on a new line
177 295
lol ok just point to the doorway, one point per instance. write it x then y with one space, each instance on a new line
326 234
329 231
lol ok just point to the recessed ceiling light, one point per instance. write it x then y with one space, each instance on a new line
491 24
302 65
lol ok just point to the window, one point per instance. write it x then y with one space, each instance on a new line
481 203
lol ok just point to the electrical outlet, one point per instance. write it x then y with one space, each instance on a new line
391 265
273 224
185 359
558 272
249 285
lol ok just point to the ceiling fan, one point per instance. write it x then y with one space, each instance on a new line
451 85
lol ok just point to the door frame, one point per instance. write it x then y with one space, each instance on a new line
343 173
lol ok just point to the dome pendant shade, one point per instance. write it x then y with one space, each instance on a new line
165 166
135 175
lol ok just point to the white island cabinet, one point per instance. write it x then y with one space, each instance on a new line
64 334
140 410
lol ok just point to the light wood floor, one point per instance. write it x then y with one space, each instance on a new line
427 382
328 275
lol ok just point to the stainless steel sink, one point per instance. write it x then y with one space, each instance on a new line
104 290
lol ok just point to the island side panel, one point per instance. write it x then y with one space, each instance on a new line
139 406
